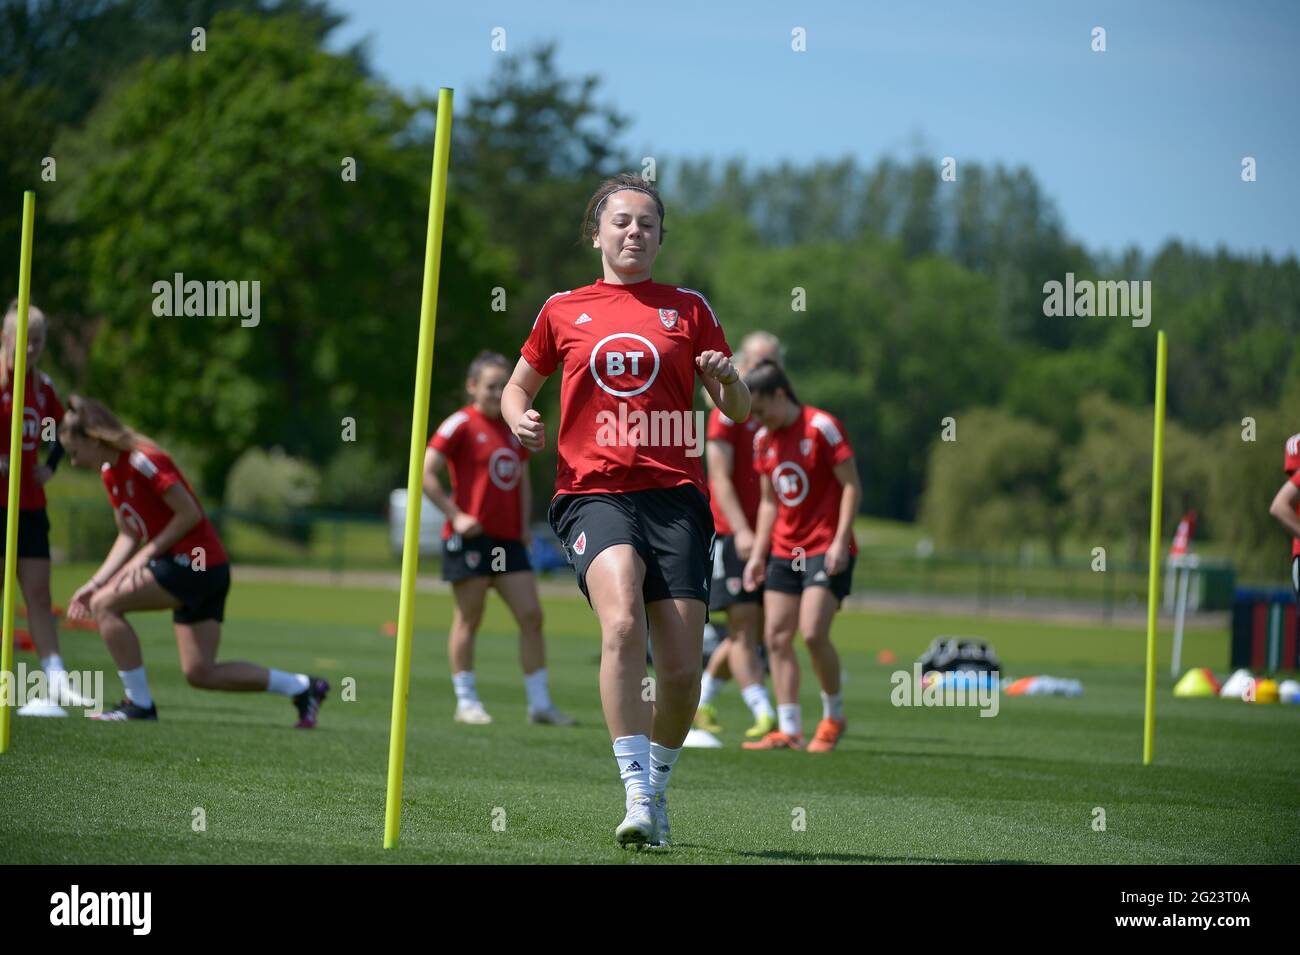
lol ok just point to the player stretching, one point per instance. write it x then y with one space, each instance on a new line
167 556
734 500
1286 506
810 496
631 506
483 538
41 408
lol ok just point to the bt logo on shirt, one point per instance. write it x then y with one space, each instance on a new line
624 364
504 470
791 483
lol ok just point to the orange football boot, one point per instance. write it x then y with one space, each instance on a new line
828 734
776 740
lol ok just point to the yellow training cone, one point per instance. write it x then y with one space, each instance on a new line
1194 683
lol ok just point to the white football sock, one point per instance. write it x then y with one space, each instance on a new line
709 687
789 717
53 664
288 684
633 756
463 683
662 760
755 697
137 686
539 694
833 706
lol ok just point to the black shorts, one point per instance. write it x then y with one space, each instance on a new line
202 593
728 577
784 579
482 556
33 533
670 528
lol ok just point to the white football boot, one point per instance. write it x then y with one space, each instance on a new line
472 713
637 827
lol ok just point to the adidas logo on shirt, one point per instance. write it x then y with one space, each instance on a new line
583 319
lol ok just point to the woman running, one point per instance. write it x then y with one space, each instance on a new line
810 496
42 413
167 556
484 537
631 505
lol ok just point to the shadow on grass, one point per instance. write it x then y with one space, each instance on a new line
780 855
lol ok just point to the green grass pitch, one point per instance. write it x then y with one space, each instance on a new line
907 784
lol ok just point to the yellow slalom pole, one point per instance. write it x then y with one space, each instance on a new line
1157 477
8 683
415 473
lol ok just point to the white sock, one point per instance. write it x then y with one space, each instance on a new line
539 694
755 697
833 706
137 686
53 664
709 687
789 718
288 684
463 683
662 760
633 756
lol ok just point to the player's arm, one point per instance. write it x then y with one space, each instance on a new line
186 516
722 459
756 566
722 382
1283 508
837 557
118 555
525 504
461 522
517 406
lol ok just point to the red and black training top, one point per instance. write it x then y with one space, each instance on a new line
486 463
800 461
135 483
625 349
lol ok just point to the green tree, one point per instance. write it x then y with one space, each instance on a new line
229 165
993 487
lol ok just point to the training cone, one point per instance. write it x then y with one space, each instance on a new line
701 739
1236 686
1266 691
1194 683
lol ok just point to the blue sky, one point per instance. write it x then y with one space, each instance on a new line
1136 145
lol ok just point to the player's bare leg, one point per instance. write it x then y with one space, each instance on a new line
816 612
781 613
470 596
197 644
34 580
677 632
614 580
745 622
519 591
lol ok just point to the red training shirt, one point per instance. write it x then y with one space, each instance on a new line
740 435
1291 464
800 461
486 463
135 485
40 401
628 392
